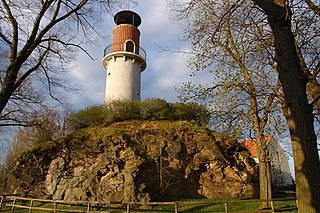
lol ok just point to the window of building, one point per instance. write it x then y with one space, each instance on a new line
129 46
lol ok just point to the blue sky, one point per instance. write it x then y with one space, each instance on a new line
164 71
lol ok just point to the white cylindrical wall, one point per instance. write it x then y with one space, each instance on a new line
123 79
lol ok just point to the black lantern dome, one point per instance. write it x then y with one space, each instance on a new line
127 17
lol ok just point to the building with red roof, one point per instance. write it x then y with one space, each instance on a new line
279 161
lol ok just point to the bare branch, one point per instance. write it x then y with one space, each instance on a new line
225 17
68 44
14 23
4 38
49 83
55 15
31 70
313 7
269 105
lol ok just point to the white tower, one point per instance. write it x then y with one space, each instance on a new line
124 60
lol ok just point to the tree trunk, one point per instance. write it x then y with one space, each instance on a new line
313 89
269 179
298 113
313 86
7 88
265 187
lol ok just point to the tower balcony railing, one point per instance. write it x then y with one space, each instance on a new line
142 53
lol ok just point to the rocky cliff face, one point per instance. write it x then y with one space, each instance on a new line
137 161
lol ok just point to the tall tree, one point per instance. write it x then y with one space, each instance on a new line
245 89
307 37
41 37
297 110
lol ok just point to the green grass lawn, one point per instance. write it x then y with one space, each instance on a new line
234 205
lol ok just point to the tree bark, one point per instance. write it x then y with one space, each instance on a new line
313 89
297 110
7 88
313 7
313 86
265 186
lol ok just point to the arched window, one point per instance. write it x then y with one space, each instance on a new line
129 46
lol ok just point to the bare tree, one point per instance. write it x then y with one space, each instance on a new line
50 125
41 37
277 30
245 90
297 109
307 38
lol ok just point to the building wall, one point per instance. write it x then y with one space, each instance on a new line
123 79
280 170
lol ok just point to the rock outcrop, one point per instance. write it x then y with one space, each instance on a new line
137 161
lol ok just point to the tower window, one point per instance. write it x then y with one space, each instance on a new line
129 46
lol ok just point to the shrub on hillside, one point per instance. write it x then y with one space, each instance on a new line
190 112
155 109
150 109
90 116
122 110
